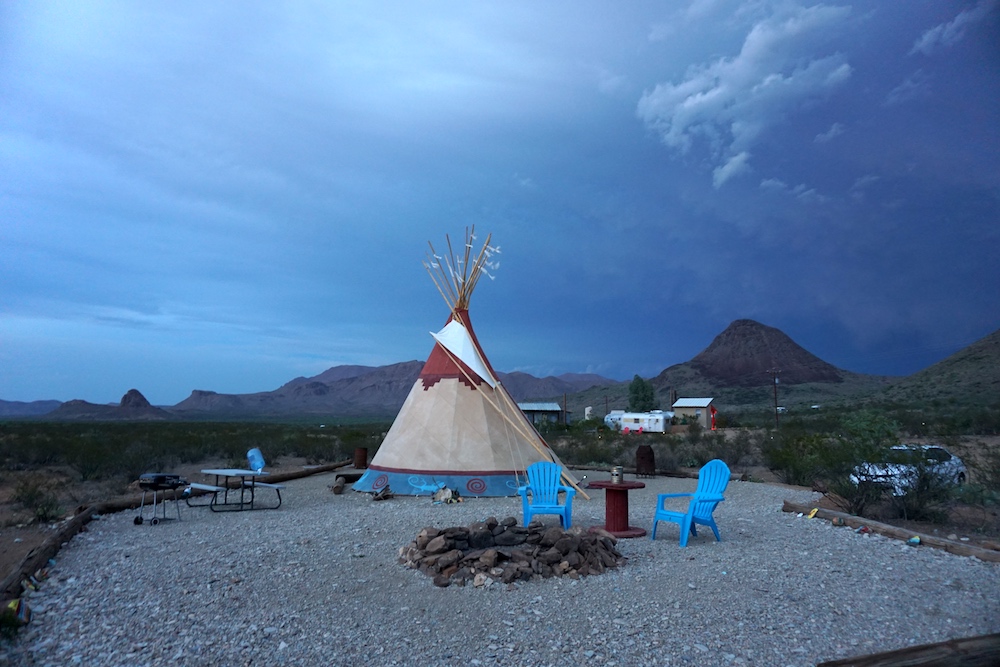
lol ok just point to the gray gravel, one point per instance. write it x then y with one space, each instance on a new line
317 583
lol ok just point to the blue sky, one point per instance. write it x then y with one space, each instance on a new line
229 195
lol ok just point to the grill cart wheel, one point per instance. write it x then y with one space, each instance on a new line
137 521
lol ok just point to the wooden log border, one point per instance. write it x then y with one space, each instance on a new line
981 651
957 548
35 559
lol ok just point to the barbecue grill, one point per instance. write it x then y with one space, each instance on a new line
158 482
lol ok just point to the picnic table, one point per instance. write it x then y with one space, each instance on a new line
248 483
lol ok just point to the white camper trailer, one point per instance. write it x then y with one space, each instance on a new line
614 419
656 421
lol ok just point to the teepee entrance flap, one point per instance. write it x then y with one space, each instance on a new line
456 339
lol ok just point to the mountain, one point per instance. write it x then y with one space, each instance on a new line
27 408
971 375
737 370
132 407
746 353
524 387
349 391
357 391
332 375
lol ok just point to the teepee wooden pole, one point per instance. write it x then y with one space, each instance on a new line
478 264
511 405
443 282
444 296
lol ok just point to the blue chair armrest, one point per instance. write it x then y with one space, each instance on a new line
663 496
570 491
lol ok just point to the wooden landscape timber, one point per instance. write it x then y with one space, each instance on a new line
957 548
36 559
981 651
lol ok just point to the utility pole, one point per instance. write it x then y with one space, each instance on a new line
774 376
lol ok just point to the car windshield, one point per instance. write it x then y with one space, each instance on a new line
937 454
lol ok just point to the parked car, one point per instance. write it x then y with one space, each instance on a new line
904 465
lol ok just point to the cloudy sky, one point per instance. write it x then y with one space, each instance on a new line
228 195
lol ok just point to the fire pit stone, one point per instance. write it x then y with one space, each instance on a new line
493 550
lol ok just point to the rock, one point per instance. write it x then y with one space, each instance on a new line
449 558
489 558
509 538
437 545
551 536
550 556
480 538
566 544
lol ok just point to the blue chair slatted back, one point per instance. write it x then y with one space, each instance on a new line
712 481
544 486
544 480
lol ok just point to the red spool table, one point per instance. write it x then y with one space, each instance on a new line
616 507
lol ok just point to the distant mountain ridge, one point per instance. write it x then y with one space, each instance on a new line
736 369
361 391
355 391
132 407
27 408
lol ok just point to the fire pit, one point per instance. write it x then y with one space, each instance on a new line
158 482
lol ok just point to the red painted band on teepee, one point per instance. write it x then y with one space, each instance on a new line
431 380
440 364
460 473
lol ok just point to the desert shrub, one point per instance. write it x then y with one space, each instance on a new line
737 451
593 449
796 458
865 437
853 498
743 447
694 433
35 497
319 448
925 498
986 470
667 452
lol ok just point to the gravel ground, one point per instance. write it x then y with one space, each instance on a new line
317 583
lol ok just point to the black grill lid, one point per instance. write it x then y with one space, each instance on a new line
161 480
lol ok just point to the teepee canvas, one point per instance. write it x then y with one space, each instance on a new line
458 428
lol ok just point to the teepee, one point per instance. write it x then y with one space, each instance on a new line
458 428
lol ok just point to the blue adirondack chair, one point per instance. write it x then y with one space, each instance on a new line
544 485
712 481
